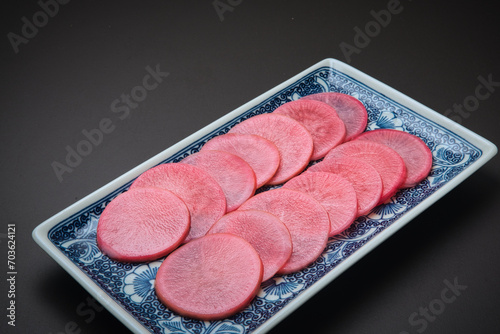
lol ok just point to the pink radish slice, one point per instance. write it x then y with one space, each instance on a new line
264 231
364 178
234 175
292 139
415 153
201 193
320 119
210 278
306 220
387 162
142 225
261 154
350 110
336 194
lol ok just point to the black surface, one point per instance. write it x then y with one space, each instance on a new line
64 79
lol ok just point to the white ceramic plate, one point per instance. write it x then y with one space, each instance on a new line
126 290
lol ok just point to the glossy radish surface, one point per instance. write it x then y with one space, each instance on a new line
142 225
385 160
333 192
415 153
320 119
292 139
210 278
306 220
201 193
234 175
350 110
261 154
364 178
264 231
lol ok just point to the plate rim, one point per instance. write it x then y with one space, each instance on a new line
40 233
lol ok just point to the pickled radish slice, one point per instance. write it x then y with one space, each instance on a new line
350 110
234 175
264 231
306 220
261 154
142 225
415 153
210 278
292 139
385 160
320 119
333 192
201 193
364 178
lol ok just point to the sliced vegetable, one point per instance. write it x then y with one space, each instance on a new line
142 225
320 119
387 162
306 220
415 153
234 175
350 110
333 192
210 278
264 231
364 178
261 154
201 193
292 139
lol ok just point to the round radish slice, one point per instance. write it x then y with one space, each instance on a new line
335 193
142 225
234 175
350 110
306 220
387 162
364 178
264 231
210 278
261 154
292 139
201 193
320 119
416 155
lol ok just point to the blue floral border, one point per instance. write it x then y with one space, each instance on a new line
131 285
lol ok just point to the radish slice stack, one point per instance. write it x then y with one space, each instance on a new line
292 139
320 119
264 231
305 218
201 193
333 192
350 110
387 162
261 154
364 178
232 173
416 155
233 239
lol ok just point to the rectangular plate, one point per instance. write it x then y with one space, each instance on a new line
126 290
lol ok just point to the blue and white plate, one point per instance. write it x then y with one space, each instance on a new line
126 290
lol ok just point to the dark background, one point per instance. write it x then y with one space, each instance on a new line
64 79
